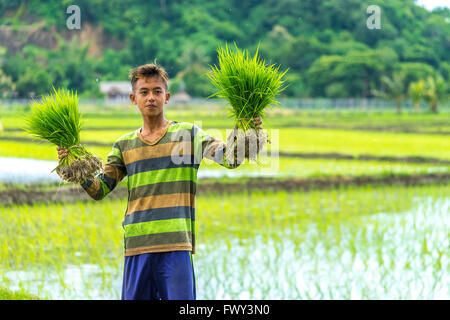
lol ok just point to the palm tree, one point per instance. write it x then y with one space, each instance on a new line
394 89
7 86
435 92
416 92
194 61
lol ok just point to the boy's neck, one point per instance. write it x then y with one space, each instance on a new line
154 124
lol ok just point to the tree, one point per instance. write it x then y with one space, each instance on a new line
435 92
193 75
394 89
34 82
299 53
142 47
295 34
361 70
358 72
7 86
414 71
416 91
319 75
295 85
77 72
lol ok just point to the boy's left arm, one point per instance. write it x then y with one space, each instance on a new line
216 150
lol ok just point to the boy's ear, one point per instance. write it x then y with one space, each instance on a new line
167 97
132 98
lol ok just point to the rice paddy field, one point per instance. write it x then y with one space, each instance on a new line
347 239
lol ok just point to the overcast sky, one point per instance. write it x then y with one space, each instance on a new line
431 4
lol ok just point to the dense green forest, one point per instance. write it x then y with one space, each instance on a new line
326 44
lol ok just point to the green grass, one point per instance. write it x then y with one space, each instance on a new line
311 140
42 151
351 119
363 142
346 140
352 142
104 136
217 117
6 294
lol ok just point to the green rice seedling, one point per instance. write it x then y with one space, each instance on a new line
250 86
370 247
39 151
57 119
6 294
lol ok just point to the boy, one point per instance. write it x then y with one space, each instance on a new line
159 223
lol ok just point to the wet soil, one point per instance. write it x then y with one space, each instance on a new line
76 193
363 157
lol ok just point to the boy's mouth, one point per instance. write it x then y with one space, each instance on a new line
150 106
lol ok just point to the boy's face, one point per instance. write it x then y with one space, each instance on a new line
150 95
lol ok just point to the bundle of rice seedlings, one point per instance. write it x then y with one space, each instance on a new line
250 86
57 119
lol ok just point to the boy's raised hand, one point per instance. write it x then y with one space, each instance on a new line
257 122
62 153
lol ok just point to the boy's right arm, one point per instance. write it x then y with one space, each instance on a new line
102 184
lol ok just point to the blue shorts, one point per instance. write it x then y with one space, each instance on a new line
159 275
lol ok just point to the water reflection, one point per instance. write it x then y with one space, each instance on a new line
27 171
405 257
30 171
399 254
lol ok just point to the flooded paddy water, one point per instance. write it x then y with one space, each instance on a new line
349 243
32 171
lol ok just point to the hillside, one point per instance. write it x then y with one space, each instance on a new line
326 44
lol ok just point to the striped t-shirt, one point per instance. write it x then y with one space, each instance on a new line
162 178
